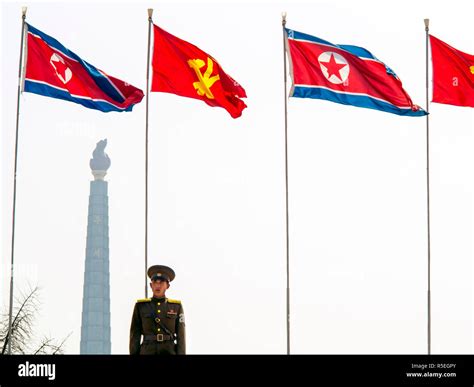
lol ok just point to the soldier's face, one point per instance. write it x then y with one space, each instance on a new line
159 288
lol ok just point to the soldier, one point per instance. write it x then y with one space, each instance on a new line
159 320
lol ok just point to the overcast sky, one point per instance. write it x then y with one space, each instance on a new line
357 183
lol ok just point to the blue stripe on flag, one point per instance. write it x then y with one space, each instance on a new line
50 91
360 52
355 100
354 50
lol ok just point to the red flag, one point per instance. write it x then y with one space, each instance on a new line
453 74
183 69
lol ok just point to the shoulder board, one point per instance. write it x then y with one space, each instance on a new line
171 301
144 300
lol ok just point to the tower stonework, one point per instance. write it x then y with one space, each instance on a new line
95 327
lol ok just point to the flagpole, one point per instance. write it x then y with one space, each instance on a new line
427 29
283 23
20 73
150 23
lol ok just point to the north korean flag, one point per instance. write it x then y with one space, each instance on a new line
54 71
348 75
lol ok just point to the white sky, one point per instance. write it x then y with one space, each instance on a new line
217 194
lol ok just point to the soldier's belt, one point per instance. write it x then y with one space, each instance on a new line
159 337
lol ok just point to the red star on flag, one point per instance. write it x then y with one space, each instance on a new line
333 68
61 68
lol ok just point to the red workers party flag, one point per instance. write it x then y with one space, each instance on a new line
54 71
183 69
453 74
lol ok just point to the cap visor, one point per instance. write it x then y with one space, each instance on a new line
159 278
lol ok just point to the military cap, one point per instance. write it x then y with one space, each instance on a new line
161 272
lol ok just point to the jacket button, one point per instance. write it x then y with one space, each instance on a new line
159 330
157 320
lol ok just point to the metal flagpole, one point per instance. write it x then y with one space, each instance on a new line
150 24
20 74
283 23
427 29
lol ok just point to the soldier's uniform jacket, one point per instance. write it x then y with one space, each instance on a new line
161 323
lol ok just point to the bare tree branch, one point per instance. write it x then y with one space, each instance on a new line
22 330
